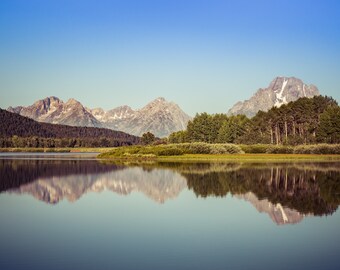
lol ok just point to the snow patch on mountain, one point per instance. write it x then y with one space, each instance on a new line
280 100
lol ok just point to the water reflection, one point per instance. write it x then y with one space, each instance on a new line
52 181
312 189
286 192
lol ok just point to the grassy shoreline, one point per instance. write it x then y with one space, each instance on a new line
119 154
222 152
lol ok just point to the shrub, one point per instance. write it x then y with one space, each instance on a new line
217 149
206 148
193 148
170 152
318 149
225 149
279 149
255 148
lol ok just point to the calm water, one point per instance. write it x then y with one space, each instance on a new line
73 212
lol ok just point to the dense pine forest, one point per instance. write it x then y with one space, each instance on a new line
305 121
19 131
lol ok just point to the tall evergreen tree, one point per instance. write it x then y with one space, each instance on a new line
329 128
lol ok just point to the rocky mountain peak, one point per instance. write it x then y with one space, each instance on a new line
123 108
15 109
54 110
160 99
96 111
73 102
280 91
160 117
53 99
48 101
156 103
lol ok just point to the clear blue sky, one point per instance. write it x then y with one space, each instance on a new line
204 55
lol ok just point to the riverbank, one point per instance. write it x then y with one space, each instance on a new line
225 152
201 152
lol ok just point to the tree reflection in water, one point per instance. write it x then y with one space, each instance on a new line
286 191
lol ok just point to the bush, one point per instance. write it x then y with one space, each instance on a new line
255 148
280 149
206 148
225 149
217 149
267 149
317 149
170 152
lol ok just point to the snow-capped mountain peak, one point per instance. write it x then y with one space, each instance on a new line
280 91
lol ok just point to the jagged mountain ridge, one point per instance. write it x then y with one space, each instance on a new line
55 111
280 91
159 116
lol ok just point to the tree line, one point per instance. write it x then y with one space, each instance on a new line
39 142
305 121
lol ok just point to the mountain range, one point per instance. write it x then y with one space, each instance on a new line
280 91
159 116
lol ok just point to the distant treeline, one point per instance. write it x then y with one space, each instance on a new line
305 121
19 131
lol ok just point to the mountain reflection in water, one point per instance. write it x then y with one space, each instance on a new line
286 192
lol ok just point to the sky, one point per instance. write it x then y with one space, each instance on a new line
205 55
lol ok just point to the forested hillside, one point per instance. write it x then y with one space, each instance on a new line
305 121
19 131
